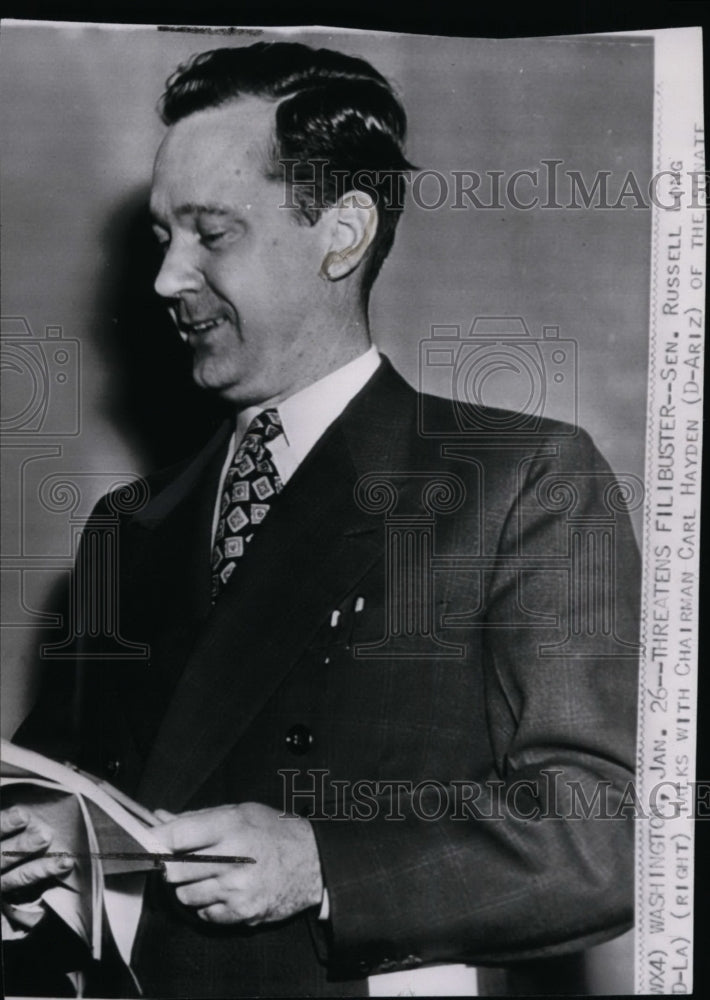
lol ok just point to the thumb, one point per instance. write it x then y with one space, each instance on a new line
164 816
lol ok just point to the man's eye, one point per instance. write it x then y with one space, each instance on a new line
211 239
162 240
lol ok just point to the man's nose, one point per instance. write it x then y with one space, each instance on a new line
178 274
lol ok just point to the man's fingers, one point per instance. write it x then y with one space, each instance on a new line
217 913
193 832
184 834
181 872
13 820
34 838
200 893
33 872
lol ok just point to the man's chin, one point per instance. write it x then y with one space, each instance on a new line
220 388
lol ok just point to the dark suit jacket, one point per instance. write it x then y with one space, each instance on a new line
518 656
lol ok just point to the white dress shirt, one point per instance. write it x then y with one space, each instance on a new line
305 417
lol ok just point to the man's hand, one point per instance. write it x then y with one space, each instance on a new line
285 879
25 840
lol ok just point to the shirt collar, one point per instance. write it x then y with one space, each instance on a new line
307 414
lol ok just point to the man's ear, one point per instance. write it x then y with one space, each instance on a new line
355 225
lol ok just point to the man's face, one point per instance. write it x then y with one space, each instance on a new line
241 273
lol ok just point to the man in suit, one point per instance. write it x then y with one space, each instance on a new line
391 644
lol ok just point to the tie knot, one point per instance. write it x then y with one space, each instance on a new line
264 427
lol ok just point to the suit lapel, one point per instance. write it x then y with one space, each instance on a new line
166 592
172 533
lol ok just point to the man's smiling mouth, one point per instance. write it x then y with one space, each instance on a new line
192 331
201 325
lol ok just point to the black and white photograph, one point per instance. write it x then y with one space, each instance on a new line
351 444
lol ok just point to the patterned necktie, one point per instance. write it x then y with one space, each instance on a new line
249 486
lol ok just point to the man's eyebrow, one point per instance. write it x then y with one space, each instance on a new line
211 208
191 208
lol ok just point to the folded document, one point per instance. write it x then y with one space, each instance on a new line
109 836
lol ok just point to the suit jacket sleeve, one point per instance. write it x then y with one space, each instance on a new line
520 875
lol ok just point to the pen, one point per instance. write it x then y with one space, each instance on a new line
157 858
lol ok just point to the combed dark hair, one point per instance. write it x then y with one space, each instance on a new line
339 125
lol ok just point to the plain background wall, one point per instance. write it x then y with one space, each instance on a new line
80 130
